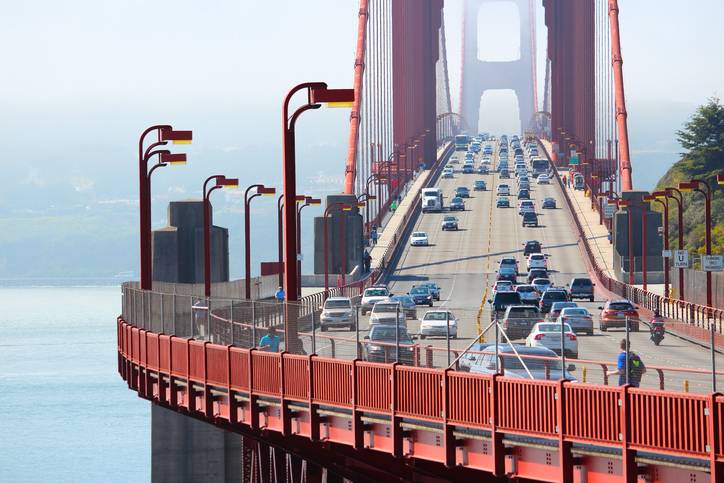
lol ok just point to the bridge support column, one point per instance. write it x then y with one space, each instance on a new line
345 239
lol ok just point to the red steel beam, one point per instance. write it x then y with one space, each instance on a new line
621 115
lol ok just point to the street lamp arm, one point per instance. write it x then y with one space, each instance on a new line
157 127
246 193
299 112
150 153
305 85
215 177
156 166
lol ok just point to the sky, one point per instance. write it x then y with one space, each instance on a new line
81 78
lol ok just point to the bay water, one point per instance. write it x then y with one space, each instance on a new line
65 413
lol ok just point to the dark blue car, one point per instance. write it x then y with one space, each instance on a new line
421 295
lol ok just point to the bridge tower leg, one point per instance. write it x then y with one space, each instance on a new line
479 76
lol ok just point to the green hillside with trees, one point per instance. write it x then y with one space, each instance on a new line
702 138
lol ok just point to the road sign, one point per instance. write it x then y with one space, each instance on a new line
609 210
666 253
712 263
681 259
574 159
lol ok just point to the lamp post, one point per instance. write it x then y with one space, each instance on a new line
676 195
261 190
343 207
221 182
373 177
280 233
366 198
317 93
629 204
660 197
308 201
165 133
695 185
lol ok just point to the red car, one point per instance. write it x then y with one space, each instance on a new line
615 313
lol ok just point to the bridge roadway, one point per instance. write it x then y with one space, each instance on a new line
463 263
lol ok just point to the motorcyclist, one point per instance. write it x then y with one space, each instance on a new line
657 327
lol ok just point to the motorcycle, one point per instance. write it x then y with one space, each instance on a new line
657 330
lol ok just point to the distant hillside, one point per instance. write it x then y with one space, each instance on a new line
702 139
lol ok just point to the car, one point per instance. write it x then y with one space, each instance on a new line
371 296
519 319
507 272
457 204
380 344
530 219
543 179
528 294
503 190
541 363
537 273
581 288
388 312
578 318
479 185
434 323
579 183
469 156
421 295
448 173
550 296
537 260
531 246
503 286
549 204
557 307
541 284
548 335
337 312
468 169
449 223
472 355
523 179
504 174
615 313
523 195
526 206
433 287
502 300
462 192
502 202
419 239
407 305
483 169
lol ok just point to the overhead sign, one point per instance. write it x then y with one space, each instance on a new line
681 259
574 159
712 263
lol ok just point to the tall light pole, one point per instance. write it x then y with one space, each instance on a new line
308 201
165 133
342 207
660 197
365 199
317 93
374 177
261 190
676 195
695 185
643 207
221 182
280 234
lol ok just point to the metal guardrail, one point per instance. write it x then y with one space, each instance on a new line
689 318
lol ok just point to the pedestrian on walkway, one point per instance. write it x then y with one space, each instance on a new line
565 181
366 261
636 367
373 235
270 342
279 295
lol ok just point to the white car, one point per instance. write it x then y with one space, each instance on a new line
503 190
526 206
388 312
543 179
337 312
537 260
419 239
434 321
548 335
371 296
448 173
528 294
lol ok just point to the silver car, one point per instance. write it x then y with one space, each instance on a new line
578 318
337 312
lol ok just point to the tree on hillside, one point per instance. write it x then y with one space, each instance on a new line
703 139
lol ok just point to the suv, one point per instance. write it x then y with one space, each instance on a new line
531 246
520 319
388 313
479 185
421 295
502 300
336 312
581 288
615 313
537 273
528 294
371 296
507 272
530 219
384 350
552 295
434 288
543 365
